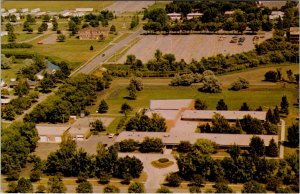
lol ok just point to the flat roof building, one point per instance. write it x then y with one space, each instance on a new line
228 115
173 139
84 9
174 16
79 133
294 35
171 104
194 15
51 133
35 10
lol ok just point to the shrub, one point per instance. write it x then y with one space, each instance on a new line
151 145
16 45
163 160
128 145
205 146
239 84
173 180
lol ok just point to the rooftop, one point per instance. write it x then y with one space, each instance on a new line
170 104
167 114
230 115
51 129
294 30
175 138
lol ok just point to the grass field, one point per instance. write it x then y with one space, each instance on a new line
55 5
20 37
7 74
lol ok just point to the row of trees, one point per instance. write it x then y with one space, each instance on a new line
275 76
199 167
275 50
146 146
70 99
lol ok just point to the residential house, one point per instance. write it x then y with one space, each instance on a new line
194 15
92 33
23 10
229 13
51 69
174 16
65 13
79 133
294 35
276 14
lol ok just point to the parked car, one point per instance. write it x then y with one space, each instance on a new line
111 135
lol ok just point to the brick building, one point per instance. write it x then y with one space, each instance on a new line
92 33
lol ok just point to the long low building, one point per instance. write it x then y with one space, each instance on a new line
229 115
173 139
51 133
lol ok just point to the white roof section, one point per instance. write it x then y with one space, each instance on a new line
35 10
51 129
84 9
175 138
195 14
174 14
230 115
167 114
170 104
229 12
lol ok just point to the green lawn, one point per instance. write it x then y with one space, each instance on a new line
20 37
7 74
56 5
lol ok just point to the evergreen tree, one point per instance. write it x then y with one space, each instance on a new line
221 105
200 105
103 107
284 105
125 108
257 146
272 149
245 107
293 135
91 48
132 91
234 151
276 115
269 116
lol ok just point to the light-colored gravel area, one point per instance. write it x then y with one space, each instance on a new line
128 6
188 47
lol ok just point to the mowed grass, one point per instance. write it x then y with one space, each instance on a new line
254 97
7 74
20 37
56 5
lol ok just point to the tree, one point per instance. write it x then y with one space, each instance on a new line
22 88
137 82
12 187
273 183
128 167
24 186
11 37
220 124
221 105
111 189
234 151
205 146
151 145
136 188
46 84
211 84
222 187
54 25
197 180
270 116
241 27
163 189
253 187
44 26
132 91
73 27
55 185
239 84
125 108
200 105
46 18
91 48
101 37
112 29
194 189
103 107
128 145
276 115
293 135
184 147
257 146
245 107
173 179
284 105
61 38
40 189
35 175
9 27
290 75
272 149
84 187
98 126
254 25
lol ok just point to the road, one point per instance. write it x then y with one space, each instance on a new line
98 60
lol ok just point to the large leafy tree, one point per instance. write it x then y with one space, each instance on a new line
293 135
55 185
136 188
257 146
253 187
84 187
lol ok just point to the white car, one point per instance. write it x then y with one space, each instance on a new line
111 135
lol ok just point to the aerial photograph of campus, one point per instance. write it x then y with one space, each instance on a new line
185 96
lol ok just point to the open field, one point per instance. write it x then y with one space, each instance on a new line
7 74
188 47
55 5
20 37
129 6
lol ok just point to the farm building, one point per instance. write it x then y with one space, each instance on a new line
276 14
194 15
51 133
294 35
173 139
174 16
24 10
35 10
206 115
92 33
84 9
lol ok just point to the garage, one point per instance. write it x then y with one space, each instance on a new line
79 137
57 139
43 138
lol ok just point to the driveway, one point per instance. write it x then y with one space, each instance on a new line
156 176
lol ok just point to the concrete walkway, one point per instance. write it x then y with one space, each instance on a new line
282 136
